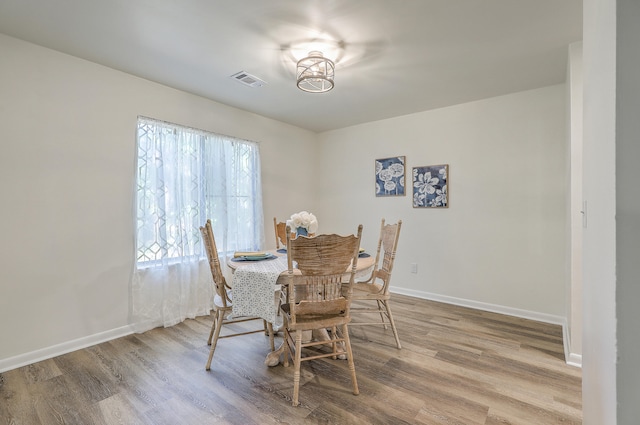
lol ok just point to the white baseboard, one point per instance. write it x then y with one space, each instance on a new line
570 358
575 360
509 311
63 348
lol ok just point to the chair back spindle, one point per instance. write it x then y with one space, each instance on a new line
219 281
280 231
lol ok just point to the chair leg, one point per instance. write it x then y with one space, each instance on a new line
393 324
381 305
352 367
271 338
285 347
334 344
340 350
214 342
296 365
213 326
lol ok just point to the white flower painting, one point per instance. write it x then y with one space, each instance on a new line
390 176
430 186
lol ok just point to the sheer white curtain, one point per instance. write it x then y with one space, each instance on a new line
184 177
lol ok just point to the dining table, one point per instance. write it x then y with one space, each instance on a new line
257 280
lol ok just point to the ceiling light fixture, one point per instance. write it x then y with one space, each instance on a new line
315 73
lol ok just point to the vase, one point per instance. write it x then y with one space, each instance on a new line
301 231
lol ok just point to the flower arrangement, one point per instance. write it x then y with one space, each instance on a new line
304 223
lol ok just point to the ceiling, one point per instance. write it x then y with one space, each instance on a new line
394 57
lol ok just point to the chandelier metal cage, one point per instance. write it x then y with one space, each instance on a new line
315 73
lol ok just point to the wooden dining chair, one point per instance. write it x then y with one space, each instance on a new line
222 300
281 233
375 290
315 297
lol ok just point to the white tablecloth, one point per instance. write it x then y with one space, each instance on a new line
254 284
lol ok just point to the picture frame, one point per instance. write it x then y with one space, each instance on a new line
390 176
431 186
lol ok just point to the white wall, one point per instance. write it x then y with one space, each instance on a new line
599 396
67 174
575 215
627 210
501 243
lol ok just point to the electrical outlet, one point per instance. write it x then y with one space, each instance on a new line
414 267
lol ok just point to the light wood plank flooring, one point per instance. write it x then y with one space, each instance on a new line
457 366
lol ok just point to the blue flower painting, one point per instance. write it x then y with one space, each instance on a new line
390 176
430 186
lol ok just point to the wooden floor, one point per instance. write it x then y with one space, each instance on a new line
457 366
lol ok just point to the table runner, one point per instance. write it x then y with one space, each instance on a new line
254 285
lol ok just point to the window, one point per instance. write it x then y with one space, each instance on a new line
184 177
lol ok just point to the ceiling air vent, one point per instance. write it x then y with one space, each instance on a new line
248 79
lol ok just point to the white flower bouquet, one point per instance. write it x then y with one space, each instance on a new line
303 220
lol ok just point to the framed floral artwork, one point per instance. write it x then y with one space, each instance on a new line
390 176
430 186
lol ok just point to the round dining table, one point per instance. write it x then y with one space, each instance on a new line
363 268
260 287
